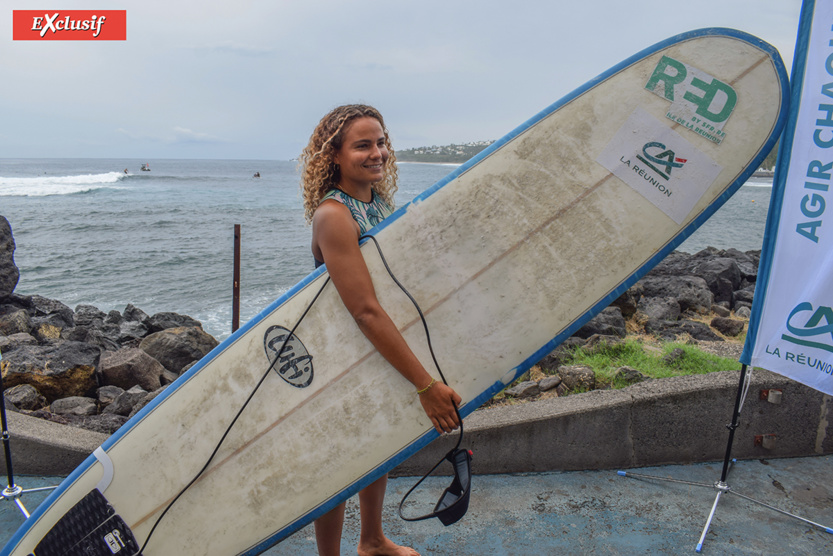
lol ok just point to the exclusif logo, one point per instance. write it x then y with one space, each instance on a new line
69 25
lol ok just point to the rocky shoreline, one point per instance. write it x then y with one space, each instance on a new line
670 303
94 370
83 367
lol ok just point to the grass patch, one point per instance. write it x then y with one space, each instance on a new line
670 359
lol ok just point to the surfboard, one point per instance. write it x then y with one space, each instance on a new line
508 255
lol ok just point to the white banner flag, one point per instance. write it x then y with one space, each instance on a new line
791 327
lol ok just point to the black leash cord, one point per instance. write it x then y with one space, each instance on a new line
451 454
277 357
240 412
424 325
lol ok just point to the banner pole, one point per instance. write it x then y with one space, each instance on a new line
734 424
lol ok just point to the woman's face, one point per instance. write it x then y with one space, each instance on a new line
363 153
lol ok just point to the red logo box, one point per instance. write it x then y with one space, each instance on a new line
69 25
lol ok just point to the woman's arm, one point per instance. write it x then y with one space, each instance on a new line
334 234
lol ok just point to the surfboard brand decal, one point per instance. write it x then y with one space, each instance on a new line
699 102
294 362
659 164
664 158
114 541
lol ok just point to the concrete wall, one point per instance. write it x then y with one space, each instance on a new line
41 447
676 420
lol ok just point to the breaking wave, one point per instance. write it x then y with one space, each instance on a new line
42 186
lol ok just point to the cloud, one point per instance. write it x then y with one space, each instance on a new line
176 136
232 48
198 78
185 135
430 59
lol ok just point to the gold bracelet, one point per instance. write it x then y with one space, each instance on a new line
424 390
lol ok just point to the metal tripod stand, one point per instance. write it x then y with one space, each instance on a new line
12 491
722 486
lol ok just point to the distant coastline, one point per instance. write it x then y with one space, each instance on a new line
455 164
446 154
458 154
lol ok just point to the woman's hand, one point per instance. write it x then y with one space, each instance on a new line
439 402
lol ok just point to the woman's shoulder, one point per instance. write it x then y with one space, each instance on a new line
333 221
336 194
332 205
333 202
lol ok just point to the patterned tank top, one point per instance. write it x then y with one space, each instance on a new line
366 215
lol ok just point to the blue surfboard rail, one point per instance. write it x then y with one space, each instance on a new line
498 386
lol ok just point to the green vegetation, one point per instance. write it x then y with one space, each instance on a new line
652 360
456 154
672 359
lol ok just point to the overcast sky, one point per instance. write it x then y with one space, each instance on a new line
249 79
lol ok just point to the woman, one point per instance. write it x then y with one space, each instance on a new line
348 180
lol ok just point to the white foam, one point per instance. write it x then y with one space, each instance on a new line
752 183
56 185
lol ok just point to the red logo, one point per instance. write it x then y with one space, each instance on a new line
69 25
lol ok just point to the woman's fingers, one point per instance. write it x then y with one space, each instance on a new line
440 406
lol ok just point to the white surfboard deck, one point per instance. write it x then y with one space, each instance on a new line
507 256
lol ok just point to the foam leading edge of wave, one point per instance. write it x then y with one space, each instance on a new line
41 186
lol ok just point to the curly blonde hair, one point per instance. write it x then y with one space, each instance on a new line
319 173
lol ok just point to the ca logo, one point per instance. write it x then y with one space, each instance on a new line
663 157
812 327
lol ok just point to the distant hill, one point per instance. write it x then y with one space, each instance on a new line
446 153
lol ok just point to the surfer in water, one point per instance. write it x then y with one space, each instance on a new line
348 178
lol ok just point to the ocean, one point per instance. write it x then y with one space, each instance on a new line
89 233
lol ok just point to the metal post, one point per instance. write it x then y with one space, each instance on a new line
5 432
235 303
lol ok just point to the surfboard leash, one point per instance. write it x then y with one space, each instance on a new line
421 317
237 416
454 501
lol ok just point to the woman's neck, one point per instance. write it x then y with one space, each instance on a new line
362 192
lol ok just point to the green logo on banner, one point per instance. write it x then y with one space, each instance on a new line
812 328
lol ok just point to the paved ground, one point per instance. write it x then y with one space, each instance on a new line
596 512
